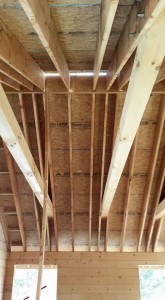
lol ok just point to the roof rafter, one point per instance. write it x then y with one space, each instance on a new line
13 137
151 170
160 210
16 196
26 134
12 74
107 14
39 15
4 228
145 70
132 34
16 56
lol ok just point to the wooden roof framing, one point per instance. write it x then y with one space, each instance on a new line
103 119
132 35
40 16
145 68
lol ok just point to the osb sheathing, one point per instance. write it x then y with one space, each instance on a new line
77 26
81 134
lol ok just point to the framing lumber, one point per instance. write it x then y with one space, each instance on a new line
52 182
9 82
113 142
160 210
16 56
144 73
71 166
16 196
107 15
13 137
128 191
39 15
151 170
38 132
132 35
157 194
12 74
103 166
91 169
125 73
158 227
44 218
26 133
4 228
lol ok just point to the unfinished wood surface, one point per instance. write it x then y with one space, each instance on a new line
135 103
16 196
4 228
107 15
15 55
91 170
40 17
156 233
71 165
103 166
160 210
44 216
128 191
27 137
3 255
13 138
125 73
9 82
157 194
12 74
90 275
132 35
151 170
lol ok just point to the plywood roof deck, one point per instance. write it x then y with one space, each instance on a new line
78 159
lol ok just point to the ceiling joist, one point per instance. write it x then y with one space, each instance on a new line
146 13
144 73
17 57
39 15
13 137
107 14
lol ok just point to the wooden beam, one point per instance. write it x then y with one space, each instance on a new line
12 74
15 55
4 228
38 132
128 191
91 169
134 30
71 166
161 74
151 170
52 182
13 137
27 137
158 227
144 73
44 218
125 73
107 15
156 198
9 82
160 210
103 166
39 15
115 128
16 196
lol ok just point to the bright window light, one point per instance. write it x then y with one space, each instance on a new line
82 74
25 283
152 282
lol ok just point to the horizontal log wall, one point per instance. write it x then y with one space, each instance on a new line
2 262
88 276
